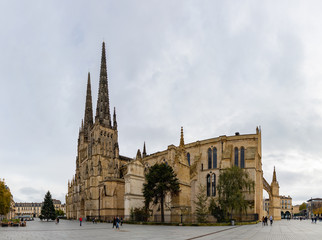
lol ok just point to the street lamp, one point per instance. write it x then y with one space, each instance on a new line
99 203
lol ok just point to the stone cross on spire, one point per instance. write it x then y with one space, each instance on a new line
103 115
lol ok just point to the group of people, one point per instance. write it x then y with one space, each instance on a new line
117 221
265 220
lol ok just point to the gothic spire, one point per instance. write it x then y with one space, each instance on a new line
274 175
103 115
181 138
144 150
114 120
88 118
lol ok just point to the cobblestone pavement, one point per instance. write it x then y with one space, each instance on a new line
66 229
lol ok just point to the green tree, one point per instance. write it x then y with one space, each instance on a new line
48 209
216 211
233 184
302 206
5 198
60 212
201 204
160 180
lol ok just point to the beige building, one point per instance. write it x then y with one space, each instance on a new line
106 184
286 206
32 209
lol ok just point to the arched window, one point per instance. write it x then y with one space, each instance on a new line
188 158
236 157
208 185
214 158
242 157
209 158
213 185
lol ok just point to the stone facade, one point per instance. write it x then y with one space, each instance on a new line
106 184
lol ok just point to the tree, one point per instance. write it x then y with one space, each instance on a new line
233 183
60 212
160 180
201 204
5 198
48 209
302 206
216 211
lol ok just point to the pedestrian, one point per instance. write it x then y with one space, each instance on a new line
315 219
121 221
271 220
93 220
114 222
118 223
265 221
57 220
80 221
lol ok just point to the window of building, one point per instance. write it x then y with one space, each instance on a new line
242 157
213 185
214 158
209 158
188 158
208 185
236 157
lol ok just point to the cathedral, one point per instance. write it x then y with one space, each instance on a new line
107 184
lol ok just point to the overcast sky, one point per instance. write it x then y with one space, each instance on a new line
213 67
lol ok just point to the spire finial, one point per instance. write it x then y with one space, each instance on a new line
144 150
274 175
103 115
114 120
88 116
181 138
138 155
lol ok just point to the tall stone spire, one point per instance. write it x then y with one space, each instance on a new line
274 175
103 115
181 138
114 120
144 150
88 118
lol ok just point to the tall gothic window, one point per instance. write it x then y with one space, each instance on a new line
188 158
214 158
209 158
236 157
242 157
213 185
208 185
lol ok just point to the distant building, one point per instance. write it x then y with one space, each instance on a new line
34 209
286 206
314 207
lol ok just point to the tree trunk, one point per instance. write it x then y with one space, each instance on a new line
162 209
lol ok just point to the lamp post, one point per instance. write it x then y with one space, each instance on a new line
99 203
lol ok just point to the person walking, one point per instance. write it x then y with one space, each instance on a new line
114 222
271 220
265 221
80 221
121 221
117 223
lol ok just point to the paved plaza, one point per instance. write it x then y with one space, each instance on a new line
66 229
